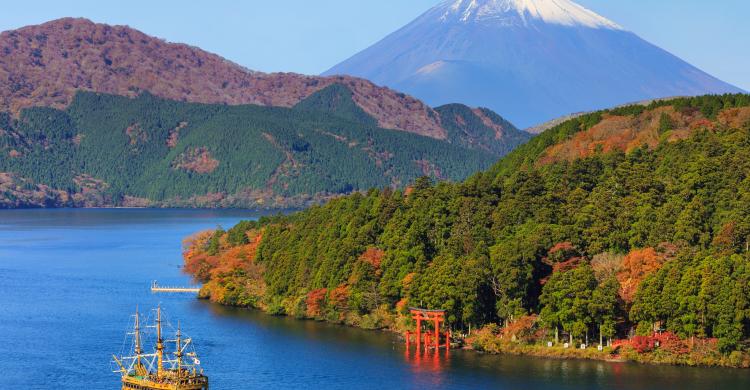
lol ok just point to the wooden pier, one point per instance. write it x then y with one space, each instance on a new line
155 288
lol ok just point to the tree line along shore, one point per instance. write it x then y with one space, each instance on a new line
580 236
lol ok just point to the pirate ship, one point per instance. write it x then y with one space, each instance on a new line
148 361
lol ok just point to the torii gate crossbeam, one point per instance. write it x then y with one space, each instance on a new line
437 317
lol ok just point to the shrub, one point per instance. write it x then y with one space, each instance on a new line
522 329
276 307
486 338
642 344
671 343
379 318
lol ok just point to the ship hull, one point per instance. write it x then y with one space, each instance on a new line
131 383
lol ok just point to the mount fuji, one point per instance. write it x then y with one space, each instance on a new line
531 60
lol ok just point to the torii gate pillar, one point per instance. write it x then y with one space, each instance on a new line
437 317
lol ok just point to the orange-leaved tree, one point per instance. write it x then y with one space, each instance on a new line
638 264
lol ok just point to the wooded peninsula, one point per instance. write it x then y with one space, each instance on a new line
633 240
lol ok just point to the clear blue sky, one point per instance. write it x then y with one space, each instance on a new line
309 36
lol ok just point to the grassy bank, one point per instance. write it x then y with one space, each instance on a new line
662 348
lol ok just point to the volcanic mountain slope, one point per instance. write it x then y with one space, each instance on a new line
44 65
107 150
535 60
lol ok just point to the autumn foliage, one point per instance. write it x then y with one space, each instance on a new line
561 252
402 305
197 262
198 160
230 271
314 302
643 344
562 257
522 329
731 238
339 297
373 256
638 264
620 132
567 265
666 341
672 343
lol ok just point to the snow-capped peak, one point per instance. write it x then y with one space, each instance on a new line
563 12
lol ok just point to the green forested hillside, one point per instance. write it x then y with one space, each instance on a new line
111 150
618 241
480 128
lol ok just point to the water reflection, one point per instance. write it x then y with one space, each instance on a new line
469 369
432 364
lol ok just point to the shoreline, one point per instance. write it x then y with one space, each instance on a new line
259 210
619 355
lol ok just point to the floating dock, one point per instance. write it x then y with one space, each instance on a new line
155 288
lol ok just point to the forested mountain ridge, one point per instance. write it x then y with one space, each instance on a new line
619 221
45 65
107 150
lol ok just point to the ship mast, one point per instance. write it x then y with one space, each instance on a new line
138 350
179 351
159 344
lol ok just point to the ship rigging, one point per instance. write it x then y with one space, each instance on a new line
150 362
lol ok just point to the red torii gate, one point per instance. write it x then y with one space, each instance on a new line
435 316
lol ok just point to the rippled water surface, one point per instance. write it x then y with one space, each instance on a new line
69 280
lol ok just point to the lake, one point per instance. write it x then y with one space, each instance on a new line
70 279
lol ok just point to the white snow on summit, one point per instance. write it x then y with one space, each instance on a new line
531 60
563 12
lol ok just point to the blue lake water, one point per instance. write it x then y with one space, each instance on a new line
69 280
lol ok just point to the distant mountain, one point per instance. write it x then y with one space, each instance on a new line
532 60
45 65
107 150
